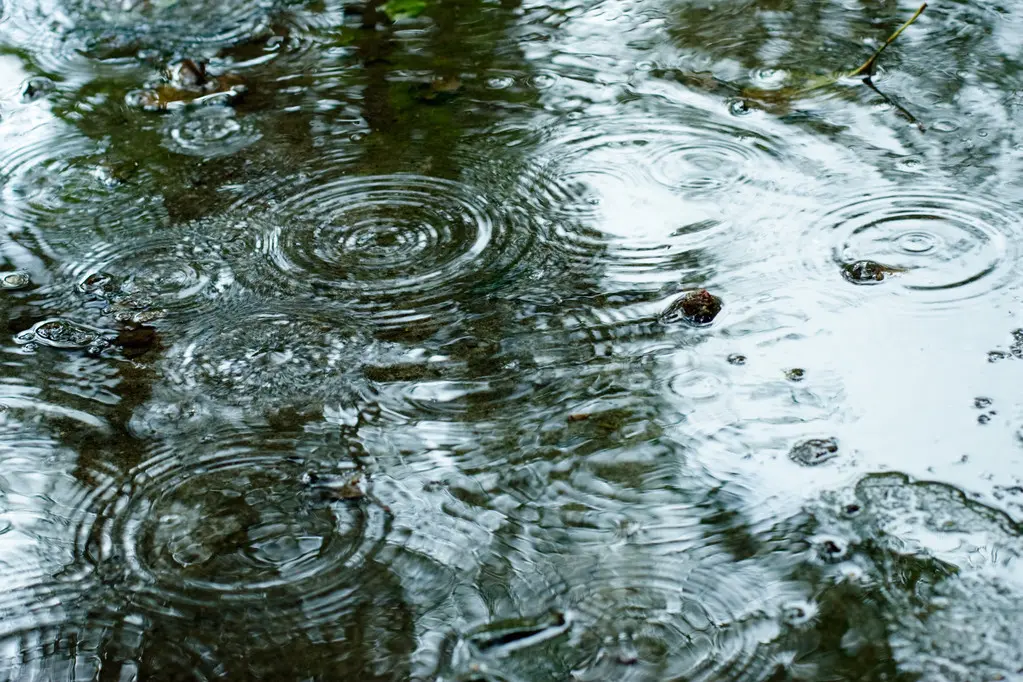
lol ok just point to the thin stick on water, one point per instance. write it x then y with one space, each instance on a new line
867 69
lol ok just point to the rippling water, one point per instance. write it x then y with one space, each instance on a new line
337 344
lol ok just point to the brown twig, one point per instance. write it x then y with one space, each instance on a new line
867 69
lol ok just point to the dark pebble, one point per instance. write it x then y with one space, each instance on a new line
814 451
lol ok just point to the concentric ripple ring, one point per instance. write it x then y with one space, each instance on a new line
941 247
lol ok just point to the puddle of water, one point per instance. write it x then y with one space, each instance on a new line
372 342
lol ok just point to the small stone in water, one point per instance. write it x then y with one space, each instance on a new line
832 550
814 451
795 374
15 280
64 334
698 308
736 359
36 88
866 272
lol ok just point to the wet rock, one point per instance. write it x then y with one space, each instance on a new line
832 549
697 308
36 88
868 272
65 334
814 451
15 280
795 374
737 359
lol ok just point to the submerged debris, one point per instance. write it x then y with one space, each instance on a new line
698 308
868 272
506 636
814 451
122 302
339 487
185 83
438 90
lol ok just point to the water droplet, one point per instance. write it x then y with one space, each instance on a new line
209 131
15 280
917 242
65 334
798 613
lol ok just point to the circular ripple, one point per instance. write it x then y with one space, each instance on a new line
400 248
699 626
652 618
699 158
247 355
54 187
99 646
942 247
62 31
230 526
639 196
208 132
179 270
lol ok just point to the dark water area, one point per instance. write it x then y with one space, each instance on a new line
365 341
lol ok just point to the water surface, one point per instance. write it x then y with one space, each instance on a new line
341 355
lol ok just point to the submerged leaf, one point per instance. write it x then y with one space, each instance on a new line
403 9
